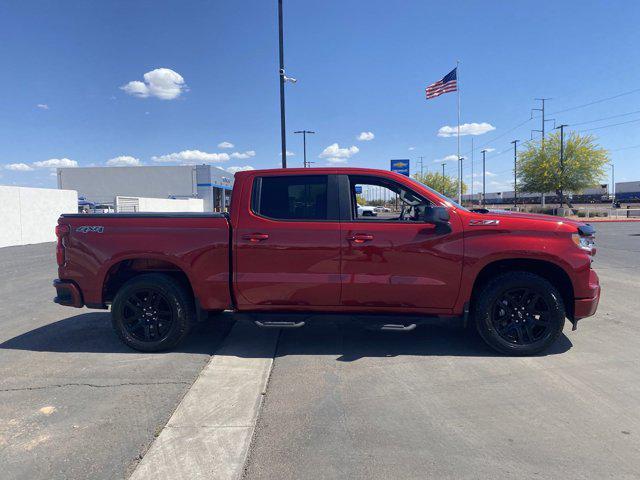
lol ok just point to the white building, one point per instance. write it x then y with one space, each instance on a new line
101 185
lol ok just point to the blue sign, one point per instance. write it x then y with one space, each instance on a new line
358 189
400 166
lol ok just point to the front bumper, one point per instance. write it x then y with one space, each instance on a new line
586 307
67 294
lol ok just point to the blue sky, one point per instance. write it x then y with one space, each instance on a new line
361 66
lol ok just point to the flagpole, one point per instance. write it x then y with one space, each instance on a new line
459 159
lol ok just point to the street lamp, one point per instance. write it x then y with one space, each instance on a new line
283 79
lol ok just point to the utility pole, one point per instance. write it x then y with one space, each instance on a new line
484 176
515 173
561 127
544 119
421 168
443 189
304 145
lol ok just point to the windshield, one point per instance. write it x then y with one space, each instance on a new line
446 199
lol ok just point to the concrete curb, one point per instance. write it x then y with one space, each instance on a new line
209 434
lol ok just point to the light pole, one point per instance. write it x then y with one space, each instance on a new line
283 79
283 133
460 180
515 173
484 176
304 145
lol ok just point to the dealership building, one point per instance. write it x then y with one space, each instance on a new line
101 185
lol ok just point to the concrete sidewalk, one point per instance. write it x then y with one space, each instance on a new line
209 434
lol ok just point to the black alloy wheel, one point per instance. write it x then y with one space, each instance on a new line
518 313
152 312
521 316
147 315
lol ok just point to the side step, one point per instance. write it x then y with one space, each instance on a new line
278 324
390 327
398 327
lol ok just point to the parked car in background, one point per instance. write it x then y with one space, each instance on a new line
366 211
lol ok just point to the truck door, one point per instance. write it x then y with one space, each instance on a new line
288 242
390 256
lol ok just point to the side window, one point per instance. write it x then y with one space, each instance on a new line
380 199
291 197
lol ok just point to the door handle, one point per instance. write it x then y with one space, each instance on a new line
255 237
360 237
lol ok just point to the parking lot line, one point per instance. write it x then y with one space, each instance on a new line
209 434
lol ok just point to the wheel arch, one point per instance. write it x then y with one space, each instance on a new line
550 271
124 269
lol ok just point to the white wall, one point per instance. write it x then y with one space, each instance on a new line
30 215
146 204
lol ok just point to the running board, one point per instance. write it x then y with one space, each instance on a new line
390 327
398 327
278 324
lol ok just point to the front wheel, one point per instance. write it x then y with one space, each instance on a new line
519 313
152 312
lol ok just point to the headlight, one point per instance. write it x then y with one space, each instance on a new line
586 243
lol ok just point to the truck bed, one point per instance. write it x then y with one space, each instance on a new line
101 250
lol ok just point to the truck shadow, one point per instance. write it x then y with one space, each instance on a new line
92 333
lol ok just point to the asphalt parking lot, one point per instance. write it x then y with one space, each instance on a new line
74 402
435 403
342 402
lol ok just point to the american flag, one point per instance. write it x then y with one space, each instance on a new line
449 83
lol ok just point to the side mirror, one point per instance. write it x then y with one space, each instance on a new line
435 215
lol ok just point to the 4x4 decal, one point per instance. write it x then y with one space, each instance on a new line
90 228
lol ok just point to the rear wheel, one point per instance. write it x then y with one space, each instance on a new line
152 312
519 313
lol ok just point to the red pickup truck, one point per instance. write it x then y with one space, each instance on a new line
294 245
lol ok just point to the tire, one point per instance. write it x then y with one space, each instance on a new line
519 313
152 312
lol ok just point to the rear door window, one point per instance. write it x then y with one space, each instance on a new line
291 197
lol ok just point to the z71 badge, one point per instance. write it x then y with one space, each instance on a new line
90 228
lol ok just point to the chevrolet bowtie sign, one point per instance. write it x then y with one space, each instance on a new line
400 166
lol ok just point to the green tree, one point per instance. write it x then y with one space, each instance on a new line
437 181
539 169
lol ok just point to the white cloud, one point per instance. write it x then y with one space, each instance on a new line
290 153
487 173
191 157
226 145
239 169
412 148
489 150
56 163
162 83
366 136
124 161
243 155
43 106
448 158
335 154
466 129
18 167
